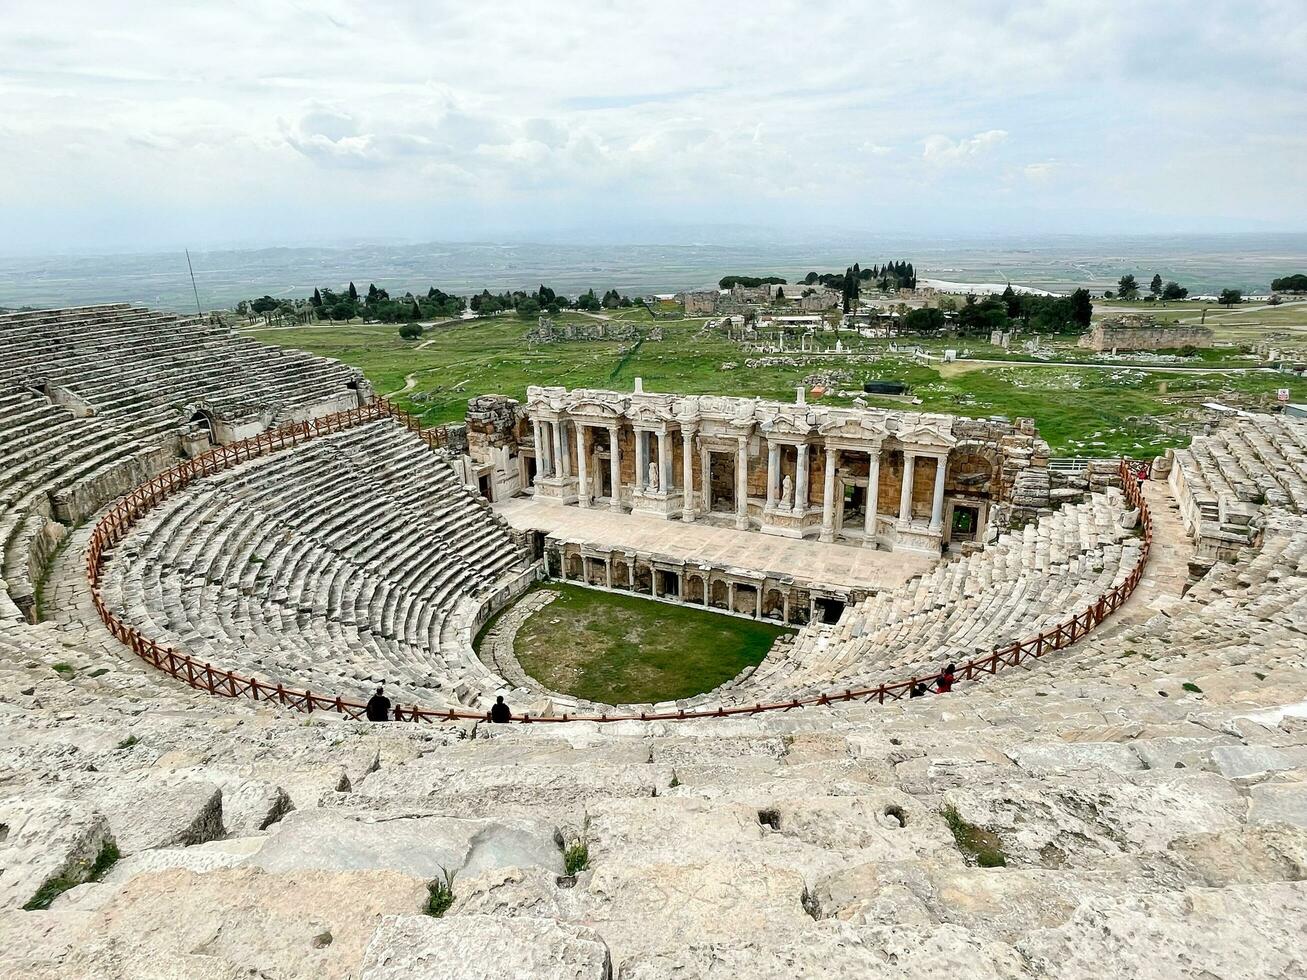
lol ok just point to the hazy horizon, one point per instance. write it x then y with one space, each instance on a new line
1203 263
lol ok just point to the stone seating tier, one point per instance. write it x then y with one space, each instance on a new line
344 563
94 403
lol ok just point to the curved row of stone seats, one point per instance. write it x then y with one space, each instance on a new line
353 560
1023 583
1223 479
148 366
95 401
55 470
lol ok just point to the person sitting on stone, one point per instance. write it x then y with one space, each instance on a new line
946 678
499 712
919 690
378 707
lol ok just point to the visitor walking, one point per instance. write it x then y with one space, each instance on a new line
946 678
378 707
499 712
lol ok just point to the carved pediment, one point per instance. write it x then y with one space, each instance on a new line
798 422
926 430
551 398
855 426
600 404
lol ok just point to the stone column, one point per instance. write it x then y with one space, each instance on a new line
608 570
641 458
687 481
785 608
937 505
742 484
873 494
557 458
905 498
582 477
828 498
773 472
801 482
705 479
565 457
730 597
664 463
542 450
615 468
757 604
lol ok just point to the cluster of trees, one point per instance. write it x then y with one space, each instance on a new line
1296 283
890 276
979 317
752 282
1127 287
377 305
545 300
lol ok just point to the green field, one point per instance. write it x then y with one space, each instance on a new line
622 649
1092 410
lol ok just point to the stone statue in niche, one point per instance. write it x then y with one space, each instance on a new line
653 476
787 492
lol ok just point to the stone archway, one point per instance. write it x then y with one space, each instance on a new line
694 589
720 594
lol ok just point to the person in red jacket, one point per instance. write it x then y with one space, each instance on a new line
946 678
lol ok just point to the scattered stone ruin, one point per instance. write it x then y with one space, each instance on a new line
190 788
1134 333
549 331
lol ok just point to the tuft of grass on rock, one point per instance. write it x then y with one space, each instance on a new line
63 670
128 742
440 894
576 855
55 887
980 845
1191 687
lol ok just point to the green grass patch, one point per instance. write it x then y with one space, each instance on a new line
978 844
55 887
128 742
576 855
623 649
440 894
63 670
1191 687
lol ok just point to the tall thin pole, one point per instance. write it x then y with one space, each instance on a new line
198 311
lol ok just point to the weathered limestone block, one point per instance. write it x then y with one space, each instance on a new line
46 839
1256 854
483 947
424 846
1280 803
250 805
156 810
832 949
1197 933
662 907
242 922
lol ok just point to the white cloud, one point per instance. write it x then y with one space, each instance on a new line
573 106
1040 171
941 149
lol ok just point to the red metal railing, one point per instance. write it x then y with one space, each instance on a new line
224 683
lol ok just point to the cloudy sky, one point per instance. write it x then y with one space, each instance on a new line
148 124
